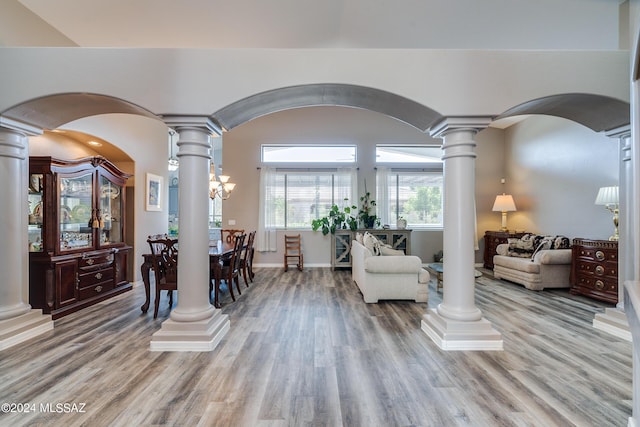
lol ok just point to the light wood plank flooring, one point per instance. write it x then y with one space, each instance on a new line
305 350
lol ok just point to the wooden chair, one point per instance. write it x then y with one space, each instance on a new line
247 259
164 252
293 249
227 234
231 271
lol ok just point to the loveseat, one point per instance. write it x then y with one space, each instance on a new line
535 261
388 277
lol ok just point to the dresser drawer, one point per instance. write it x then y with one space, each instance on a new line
598 254
96 276
601 284
95 289
598 269
96 261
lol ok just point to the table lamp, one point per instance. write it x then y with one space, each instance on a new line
608 197
504 203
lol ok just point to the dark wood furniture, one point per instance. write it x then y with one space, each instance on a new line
246 263
341 243
293 250
227 234
594 269
77 250
215 271
491 241
231 269
164 254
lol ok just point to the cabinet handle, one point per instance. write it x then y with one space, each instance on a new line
90 261
77 280
599 284
599 270
600 255
98 276
98 288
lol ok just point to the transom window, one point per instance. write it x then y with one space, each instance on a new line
308 153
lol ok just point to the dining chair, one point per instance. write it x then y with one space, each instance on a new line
164 252
227 234
246 261
293 250
231 270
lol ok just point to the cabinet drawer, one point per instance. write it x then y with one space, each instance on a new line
89 279
92 262
598 254
95 289
601 284
599 269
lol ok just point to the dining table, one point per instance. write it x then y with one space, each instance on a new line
217 254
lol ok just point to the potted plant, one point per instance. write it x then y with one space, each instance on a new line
366 214
337 219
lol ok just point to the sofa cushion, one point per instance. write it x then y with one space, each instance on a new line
522 247
516 263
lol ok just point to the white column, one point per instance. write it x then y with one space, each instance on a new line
457 324
614 320
18 322
194 325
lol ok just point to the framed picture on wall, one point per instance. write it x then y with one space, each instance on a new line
154 192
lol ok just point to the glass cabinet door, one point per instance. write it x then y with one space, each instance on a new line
110 212
76 217
36 211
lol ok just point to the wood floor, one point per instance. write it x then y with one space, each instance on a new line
304 350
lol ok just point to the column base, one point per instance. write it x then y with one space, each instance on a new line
201 335
460 335
613 321
21 328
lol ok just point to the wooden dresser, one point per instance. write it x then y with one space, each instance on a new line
491 241
594 269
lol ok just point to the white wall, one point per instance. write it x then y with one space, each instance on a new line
554 169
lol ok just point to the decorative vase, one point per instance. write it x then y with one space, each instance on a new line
401 224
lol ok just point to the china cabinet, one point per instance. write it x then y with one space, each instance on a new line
77 250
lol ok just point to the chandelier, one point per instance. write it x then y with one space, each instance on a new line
220 187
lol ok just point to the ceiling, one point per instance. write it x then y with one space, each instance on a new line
459 24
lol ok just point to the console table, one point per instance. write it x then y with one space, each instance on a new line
341 243
491 241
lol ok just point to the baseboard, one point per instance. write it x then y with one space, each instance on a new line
279 265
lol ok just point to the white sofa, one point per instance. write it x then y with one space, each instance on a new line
549 268
396 277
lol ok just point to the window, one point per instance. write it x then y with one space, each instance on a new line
415 196
308 153
294 198
409 192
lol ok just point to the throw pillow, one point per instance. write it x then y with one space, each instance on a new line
389 251
359 237
371 242
522 247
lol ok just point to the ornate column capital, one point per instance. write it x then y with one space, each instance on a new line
619 132
193 122
459 123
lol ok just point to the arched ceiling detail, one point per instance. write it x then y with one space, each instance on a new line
52 111
597 112
398 107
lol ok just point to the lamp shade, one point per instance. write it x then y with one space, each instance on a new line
504 203
607 196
